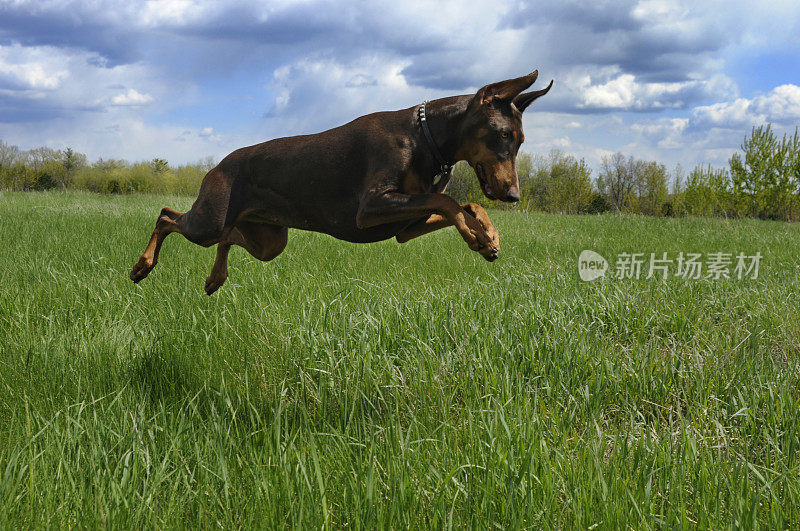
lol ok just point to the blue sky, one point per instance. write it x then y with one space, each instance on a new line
679 82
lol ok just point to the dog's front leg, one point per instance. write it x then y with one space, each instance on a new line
423 227
479 213
392 206
437 221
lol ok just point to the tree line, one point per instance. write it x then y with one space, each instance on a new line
45 169
762 180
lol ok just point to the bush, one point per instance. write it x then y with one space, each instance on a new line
558 183
120 177
45 169
598 204
51 175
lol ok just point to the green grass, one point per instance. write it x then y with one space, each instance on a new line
409 385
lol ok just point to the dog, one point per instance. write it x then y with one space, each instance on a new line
380 176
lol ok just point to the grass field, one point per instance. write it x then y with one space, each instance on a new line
409 385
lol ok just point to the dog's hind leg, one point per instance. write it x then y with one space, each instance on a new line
166 224
203 224
219 271
263 241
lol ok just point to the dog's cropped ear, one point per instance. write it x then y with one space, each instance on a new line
505 90
522 101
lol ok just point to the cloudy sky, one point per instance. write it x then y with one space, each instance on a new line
676 81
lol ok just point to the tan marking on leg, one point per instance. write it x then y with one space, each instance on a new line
479 213
434 222
474 234
165 226
219 271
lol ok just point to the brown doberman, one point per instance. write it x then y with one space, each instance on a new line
377 177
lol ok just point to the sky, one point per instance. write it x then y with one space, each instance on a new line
678 81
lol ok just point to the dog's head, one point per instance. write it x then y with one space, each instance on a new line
492 133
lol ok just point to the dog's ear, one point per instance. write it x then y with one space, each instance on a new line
522 101
505 90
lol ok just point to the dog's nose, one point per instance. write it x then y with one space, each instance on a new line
513 194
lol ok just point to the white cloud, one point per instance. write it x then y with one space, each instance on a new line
781 105
711 133
626 92
657 10
158 12
562 142
63 79
665 133
29 69
601 154
131 98
729 114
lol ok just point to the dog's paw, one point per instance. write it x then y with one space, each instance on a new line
141 269
215 281
490 253
489 241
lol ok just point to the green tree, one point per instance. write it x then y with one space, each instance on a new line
674 205
9 155
17 176
652 183
159 165
567 184
791 168
72 162
708 192
762 186
36 158
618 181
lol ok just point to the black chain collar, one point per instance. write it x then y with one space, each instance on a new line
445 166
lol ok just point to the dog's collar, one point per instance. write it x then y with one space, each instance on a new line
444 166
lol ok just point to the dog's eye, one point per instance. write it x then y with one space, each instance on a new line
504 134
